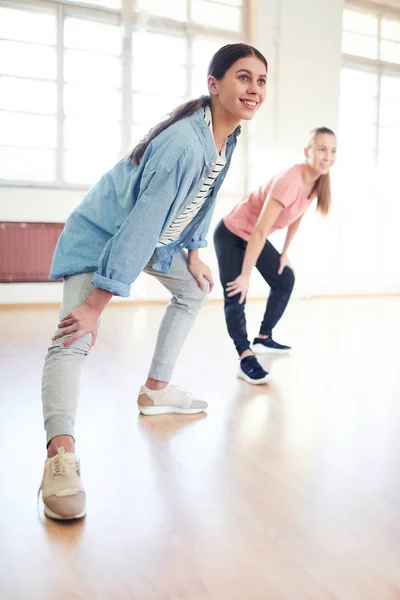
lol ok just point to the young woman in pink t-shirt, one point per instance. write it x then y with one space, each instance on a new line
241 244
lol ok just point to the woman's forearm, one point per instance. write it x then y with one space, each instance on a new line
255 245
99 299
291 231
193 255
260 233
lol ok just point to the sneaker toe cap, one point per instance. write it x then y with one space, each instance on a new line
199 404
68 506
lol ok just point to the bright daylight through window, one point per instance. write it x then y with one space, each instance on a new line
75 94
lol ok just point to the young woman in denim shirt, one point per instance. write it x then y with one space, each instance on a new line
241 244
150 213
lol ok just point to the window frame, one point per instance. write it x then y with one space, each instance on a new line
129 19
376 66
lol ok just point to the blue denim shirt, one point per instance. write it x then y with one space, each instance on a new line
115 229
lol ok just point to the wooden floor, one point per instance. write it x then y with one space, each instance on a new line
288 491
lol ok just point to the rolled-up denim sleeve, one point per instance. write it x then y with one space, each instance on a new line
194 244
199 237
126 254
118 288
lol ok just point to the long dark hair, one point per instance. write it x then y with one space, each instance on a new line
222 60
322 186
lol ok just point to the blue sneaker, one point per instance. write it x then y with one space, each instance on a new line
251 371
268 346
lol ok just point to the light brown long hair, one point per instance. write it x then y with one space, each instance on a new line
322 187
222 60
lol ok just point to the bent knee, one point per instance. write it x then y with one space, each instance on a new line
204 293
287 279
196 295
193 297
80 346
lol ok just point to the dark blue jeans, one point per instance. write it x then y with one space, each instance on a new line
230 250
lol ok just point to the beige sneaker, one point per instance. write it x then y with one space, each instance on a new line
171 399
62 491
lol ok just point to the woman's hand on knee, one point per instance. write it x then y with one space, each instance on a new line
240 285
82 320
201 271
284 262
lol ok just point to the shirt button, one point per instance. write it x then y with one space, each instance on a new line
212 164
203 178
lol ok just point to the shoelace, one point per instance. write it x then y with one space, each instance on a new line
61 465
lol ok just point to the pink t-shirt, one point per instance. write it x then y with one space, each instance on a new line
287 187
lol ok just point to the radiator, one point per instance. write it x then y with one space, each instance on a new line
26 250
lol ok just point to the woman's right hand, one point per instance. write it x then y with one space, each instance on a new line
83 319
240 285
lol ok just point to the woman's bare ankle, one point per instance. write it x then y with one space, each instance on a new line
155 384
246 353
64 441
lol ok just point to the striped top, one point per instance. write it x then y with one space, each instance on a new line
176 227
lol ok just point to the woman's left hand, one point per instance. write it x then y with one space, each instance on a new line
201 271
284 262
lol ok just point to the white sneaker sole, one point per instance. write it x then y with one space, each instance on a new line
49 513
261 349
165 410
265 379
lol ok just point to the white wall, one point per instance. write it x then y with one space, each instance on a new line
302 42
54 205
355 250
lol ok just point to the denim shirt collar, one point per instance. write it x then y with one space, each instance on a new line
203 132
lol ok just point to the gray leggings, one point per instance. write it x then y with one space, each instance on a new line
62 368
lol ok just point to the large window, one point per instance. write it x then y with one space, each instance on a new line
370 99
82 82
28 94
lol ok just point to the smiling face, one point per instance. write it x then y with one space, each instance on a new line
321 153
242 90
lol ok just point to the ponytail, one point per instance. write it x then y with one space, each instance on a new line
322 188
182 111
